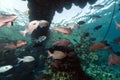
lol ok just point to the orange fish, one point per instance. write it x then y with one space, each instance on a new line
113 59
61 42
6 20
62 30
15 44
97 46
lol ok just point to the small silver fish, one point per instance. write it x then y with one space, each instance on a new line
5 68
26 59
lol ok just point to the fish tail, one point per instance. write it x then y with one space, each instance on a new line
23 33
49 54
116 23
19 60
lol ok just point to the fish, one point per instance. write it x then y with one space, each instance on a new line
7 20
56 54
97 27
61 42
72 26
33 25
85 35
14 44
5 68
62 30
117 24
113 59
26 12
81 22
26 59
95 16
97 46
116 40
109 49
92 39
97 6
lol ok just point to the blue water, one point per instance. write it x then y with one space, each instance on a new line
93 63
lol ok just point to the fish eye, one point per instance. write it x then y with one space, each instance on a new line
34 23
6 67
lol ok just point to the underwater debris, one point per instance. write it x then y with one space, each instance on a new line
7 20
41 39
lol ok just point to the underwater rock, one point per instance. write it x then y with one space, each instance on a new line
45 9
70 64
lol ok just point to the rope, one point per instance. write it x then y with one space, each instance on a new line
110 21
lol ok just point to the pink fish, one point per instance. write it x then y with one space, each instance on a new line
56 54
6 20
117 24
15 44
33 25
97 46
61 42
113 59
62 30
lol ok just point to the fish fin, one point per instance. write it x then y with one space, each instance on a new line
49 54
19 60
8 24
117 24
54 42
23 33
